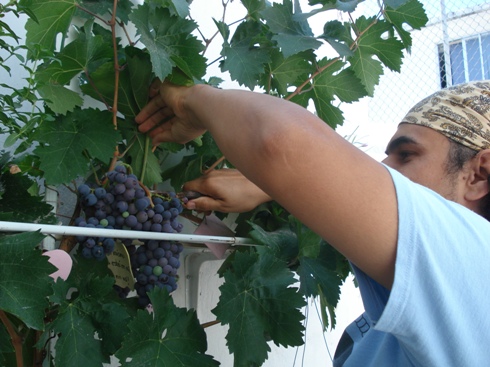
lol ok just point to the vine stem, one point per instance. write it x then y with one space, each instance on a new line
213 166
112 24
210 323
16 339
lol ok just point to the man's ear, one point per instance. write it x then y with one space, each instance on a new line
478 184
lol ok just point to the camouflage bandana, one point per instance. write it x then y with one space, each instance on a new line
461 113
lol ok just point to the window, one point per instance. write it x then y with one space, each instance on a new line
469 59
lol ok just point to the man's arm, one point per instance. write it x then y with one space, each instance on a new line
328 184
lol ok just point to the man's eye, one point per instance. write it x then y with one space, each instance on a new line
403 155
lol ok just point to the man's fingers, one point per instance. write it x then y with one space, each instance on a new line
154 106
205 204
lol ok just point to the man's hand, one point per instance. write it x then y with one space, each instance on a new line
165 117
225 190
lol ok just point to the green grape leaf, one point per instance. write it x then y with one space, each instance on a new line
395 3
17 205
337 35
24 278
76 57
139 67
66 141
284 72
319 276
291 36
258 301
52 18
176 7
60 99
254 7
343 5
283 241
334 81
76 328
104 7
410 12
244 61
143 161
93 307
168 38
170 336
308 241
367 70
101 87
372 43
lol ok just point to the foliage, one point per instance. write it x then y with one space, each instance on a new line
87 74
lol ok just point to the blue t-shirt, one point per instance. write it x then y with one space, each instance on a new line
438 311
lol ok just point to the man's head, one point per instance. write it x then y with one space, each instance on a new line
444 143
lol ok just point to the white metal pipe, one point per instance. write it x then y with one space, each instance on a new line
119 233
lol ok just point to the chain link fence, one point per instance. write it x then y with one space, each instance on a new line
453 48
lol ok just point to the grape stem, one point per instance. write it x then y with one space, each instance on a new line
14 336
210 323
213 166
148 193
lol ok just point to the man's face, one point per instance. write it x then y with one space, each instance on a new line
420 154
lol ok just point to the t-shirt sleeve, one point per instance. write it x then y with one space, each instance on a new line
437 307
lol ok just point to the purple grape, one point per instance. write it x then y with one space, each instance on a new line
100 192
89 200
142 217
120 168
131 221
142 203
156 227
83 190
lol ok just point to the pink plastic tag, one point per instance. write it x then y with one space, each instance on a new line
213 226
62 260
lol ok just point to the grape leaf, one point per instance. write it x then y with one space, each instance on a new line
258 301
66 141
176 7
93 307
334 81
103 7
411 12
320 277
171 336
24 278
168 38
244 61
52 17
143 161
254 7
372 43
104 80
60 99
395 3
77 56
139 67
17 205
283 241
337 35
291 36
343 5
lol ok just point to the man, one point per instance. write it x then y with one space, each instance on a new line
418 241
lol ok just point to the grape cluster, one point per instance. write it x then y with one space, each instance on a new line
124 203
155 265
